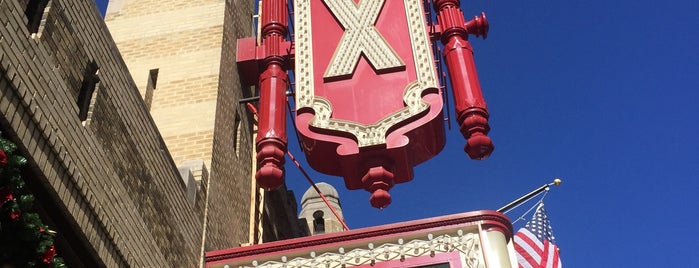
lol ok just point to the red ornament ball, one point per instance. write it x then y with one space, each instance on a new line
3 158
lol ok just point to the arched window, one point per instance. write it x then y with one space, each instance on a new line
318 222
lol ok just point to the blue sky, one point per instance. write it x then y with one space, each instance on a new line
599 93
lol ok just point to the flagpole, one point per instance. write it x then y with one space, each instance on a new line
528 196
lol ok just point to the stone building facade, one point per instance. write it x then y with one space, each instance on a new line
141 158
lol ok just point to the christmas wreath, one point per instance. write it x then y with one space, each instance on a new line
25 241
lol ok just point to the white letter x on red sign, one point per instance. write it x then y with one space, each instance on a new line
360 36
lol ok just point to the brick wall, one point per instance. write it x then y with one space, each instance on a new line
184 44
231 190
113 178
195 103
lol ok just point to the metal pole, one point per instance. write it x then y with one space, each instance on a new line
528 196
257 98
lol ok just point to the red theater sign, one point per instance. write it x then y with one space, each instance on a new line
367 96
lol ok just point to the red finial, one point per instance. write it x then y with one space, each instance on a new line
474 126
378 181
270 157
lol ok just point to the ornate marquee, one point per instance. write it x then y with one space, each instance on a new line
467 246
469 240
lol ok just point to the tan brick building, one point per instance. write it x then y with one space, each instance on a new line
181 55
141 158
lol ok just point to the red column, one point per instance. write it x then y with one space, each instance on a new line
471 109
271 138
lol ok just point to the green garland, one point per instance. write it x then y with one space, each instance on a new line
24 240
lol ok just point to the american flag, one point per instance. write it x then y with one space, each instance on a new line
535 245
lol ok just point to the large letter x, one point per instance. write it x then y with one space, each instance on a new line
360 36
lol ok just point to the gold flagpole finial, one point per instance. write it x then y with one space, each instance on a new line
557 181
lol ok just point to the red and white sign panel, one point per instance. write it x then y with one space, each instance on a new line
366 88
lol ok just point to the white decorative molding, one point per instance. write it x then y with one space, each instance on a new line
372 134
468 245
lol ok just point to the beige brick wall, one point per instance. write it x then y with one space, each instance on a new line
195 103
113 179
184 43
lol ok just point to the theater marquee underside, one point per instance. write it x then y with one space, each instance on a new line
469 240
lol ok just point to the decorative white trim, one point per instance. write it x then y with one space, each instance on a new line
468 245
372 134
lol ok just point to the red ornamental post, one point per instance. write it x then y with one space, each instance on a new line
271 138
471 109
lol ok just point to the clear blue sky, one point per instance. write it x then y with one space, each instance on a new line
600 93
